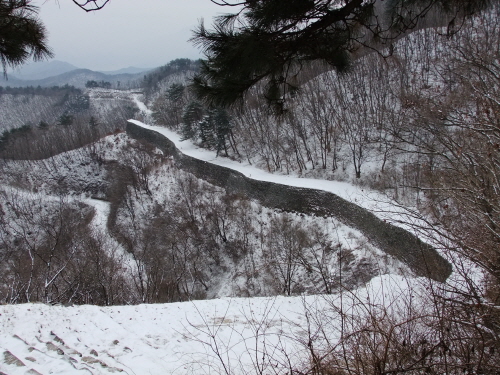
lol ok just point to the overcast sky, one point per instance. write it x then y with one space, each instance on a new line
140 33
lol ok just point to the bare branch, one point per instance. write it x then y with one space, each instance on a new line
224 3
91 5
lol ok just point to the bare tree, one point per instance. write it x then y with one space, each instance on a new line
285 243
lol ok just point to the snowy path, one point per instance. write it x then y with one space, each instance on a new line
384 207
98 223
179 338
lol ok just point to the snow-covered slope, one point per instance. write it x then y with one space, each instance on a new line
198 337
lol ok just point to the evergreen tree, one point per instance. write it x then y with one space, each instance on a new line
4 138
223 126
26 128
206 130
270 41
22 35
65 119
214 129
93 122
193 114
175 92
175 98
43 125
91 84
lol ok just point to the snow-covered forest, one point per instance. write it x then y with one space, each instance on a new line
91 214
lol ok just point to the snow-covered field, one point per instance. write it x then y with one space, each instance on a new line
198 337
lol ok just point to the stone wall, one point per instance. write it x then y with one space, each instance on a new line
395 241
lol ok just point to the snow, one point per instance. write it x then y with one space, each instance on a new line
376 202
196 337
175 338
379 204
143 109
343 189
99 221
99 224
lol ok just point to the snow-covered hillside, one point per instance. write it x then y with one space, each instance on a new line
167 235
220 336
123 252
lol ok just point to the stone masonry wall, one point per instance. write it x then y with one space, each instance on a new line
419 256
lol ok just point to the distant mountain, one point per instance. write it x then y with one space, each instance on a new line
12 81
42 69
129 70
77 78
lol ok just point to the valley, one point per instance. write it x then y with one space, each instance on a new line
355 232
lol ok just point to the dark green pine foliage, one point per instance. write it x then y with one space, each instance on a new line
223 127
175 98
43 125
269 41
4 139
22 34
24 129
175 92
214 130
193 114
206 131
5 136
93 122
14 133
65 119
91 84
94 84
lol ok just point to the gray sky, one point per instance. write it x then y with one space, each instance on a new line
141 33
